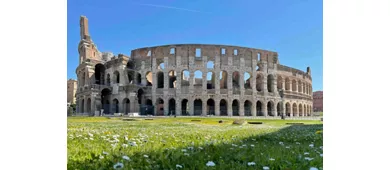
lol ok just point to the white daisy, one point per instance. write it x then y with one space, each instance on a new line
105 153
184 150
311 145
101 157
200 148
126 158
186 154
309 159
210 163
90 134
146 156
125 145
265 168
306 153
133 144
178 166
252 145
251 163
118 165
271 159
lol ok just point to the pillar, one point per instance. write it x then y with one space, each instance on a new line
264 109
191 106
241 110
204 107
229 105
253 109
217 108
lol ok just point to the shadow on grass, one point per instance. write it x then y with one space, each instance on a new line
288 149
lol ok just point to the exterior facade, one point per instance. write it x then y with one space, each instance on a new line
71 91
318 101
189 79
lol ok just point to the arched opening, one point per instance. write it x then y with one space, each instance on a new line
236 108
116 77
126 106
304 88
197 107
257 68
223 79
184 108
160 80
149 78
108 79
140 96
300 110
299 86
288 109
172 79
248 108
148 108
270 108
210 80
287 84
295 109
160 107
185 77
270 83
172 107
259 82
105 98
259 108
279 109
279 83
130 65
198 78
223 107
210 64
236 79
161 66
304 110
89 105
294 85
82 106
130 76
138 78
99 73
116 105
247 80
210 107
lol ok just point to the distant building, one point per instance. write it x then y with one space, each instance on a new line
71 91
318 101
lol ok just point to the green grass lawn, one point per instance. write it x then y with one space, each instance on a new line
179 143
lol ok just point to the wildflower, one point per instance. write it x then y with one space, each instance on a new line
313 168
101 157
281 143
184 150
210 163
186 154
105 153
113 145
309 159
90 134
126 138
311 145
265 168
190 148
306 153
251 163
90 138
125 145
146 156
133 144
252 145
200 148
178 166
118 165
271 159
287 147
126 158
298 143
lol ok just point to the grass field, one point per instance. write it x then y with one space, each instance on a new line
180 143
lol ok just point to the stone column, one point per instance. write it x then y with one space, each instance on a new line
93 104
229 80
297 86
85 104
283 84
217 109
166 106
78 105
264 109
191 106
229 105
253 108
275 109
204 107
265 84
178 107
242 109
275 85
290 85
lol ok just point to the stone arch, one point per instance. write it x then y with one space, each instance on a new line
259 106
223 107
160 79
259 82
210 65
270 108
126 106
108 80
172 106
149 78
210 80
288 109
294 85
270 83
287 84
210 107
115 104
198 77
248 108
280 82
99 73
198 107
279 109
184 107
130 65
223 76
185 77
236 107
116 77
160 106
300 109
172 79
137 78
236 79
105 99
247 80
141 96
148 108
295 109
161 66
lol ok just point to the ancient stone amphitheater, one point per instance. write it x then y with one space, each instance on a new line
189 79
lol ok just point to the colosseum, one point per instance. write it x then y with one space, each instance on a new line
189 79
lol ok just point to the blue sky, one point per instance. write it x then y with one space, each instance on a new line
293 28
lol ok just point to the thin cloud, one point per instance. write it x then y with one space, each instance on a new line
171 7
